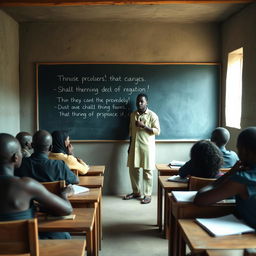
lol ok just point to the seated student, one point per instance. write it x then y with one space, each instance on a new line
220 136
40 167
17 194
240 181
63 150
205 162
25 140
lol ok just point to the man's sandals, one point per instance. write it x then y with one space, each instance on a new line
132 196
146 200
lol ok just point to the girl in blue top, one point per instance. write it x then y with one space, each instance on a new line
240 181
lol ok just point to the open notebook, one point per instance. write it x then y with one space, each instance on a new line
184 196
224 226
47 216
79 189
177 178
188 196
176 163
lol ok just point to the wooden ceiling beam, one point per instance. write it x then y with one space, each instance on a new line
111 2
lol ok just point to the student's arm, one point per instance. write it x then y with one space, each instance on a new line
184 170
53 203
222 188
73 163
68 175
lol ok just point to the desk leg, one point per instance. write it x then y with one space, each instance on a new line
181 243
172 238
159 206
96 239
100 222
89 243
166 213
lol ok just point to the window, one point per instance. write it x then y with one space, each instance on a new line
234 89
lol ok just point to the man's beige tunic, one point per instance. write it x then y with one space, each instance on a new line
142 149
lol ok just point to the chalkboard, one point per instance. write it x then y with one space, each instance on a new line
93 101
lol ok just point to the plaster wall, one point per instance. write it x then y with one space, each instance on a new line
9 75
112 42
237 32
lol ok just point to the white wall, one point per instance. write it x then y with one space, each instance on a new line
9 75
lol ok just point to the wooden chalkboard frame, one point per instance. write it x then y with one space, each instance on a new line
128 63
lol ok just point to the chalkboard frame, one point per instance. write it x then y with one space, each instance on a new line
129 63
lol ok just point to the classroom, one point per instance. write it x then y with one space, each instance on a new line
136 31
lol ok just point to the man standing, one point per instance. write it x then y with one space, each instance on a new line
144 125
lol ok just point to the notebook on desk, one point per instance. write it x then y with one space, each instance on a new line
189 196
177 178
79 189
46 216
176 163
184 196
224 226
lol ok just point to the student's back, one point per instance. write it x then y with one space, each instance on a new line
220 136
205 162
240 181
17 194
25 140
42 169
39 167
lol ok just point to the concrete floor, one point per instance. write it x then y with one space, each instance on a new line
129 228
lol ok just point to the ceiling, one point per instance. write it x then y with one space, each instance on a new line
171 13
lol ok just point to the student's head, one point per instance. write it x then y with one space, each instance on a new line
42 141
10 153
25 140
206 158
60 142
246 146
220 136
142 102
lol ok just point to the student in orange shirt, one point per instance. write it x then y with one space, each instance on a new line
63 150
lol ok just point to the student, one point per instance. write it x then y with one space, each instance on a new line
220 136
63 150
206 160
144 126
25 140
240 181
42 169
17 194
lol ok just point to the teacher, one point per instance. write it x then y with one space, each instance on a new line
144 125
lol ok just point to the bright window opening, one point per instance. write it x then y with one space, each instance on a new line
234 89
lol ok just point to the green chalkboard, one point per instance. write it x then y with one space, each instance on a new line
93 101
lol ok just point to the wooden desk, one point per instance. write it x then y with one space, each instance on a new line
167 186
225 252
90 199
187 210
91 181
85 198
199 240
83 222
163 170
96 170
74 247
